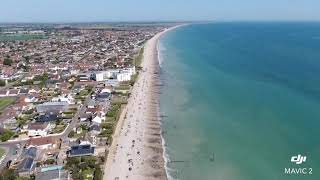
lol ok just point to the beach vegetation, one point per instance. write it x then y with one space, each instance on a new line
138 59
114 111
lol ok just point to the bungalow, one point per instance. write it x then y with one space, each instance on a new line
97 120
34 91
24 91
11 123
95 129
13 92
49 107
92 104
4 93
39 129
44 143
48 117
57 174
85 117
69 99
91 110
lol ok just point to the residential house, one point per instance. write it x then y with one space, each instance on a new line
4 93
13 92
39 129
92 104
24 91
11 123
25 167
98 119
30 99
82 148
57 174
43 143
51 117
69 99
85 117
95 129
55 107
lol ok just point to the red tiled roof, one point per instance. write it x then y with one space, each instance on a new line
41 141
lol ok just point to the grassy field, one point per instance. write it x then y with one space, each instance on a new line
2 152
20 37
5 102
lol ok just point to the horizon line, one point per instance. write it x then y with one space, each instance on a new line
156 21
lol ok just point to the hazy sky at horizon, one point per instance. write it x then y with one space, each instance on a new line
152 10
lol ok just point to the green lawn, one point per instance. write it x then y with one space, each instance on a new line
5 102
2 152
59 129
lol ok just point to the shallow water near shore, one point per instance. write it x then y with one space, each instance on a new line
247 94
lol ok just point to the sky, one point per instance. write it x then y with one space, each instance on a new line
157 10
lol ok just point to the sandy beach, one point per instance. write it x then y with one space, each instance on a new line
137 150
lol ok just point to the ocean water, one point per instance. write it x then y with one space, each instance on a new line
240 99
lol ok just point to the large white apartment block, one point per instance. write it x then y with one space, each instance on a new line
124 76
119 74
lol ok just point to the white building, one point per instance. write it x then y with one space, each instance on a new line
99 76
97 120
131 71
123 76
30 99
39 129
69 99
126 74
105 75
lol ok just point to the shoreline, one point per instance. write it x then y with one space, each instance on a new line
137 150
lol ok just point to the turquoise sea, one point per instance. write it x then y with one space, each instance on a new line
240 99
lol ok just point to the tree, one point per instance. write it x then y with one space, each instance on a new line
6 135
97 173
2 82
7 62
